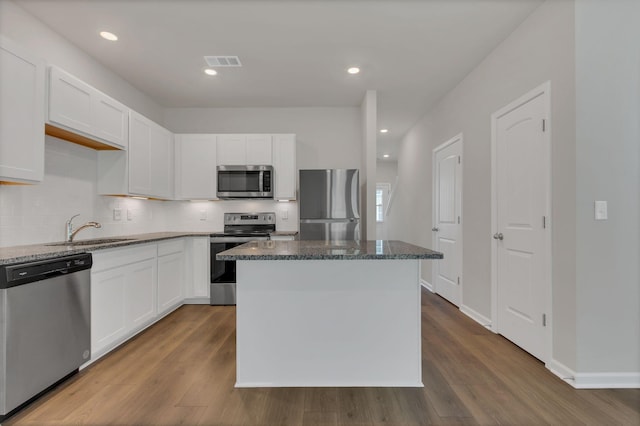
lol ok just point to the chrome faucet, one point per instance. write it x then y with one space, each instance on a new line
71 233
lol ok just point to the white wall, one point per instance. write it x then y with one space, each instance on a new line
540 49
28 31
386 172
325 137
608 164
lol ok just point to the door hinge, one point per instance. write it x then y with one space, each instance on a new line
458 280
544 222
544 320
458 220
544 125
458 159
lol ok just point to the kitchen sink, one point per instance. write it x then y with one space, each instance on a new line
90 242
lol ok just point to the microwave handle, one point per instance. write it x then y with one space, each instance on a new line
261 188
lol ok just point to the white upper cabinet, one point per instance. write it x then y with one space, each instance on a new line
284 166
195 159
22 81
231 150
146 169
258 150
242 150
76 107
150 158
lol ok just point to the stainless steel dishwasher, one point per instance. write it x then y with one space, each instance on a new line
45 326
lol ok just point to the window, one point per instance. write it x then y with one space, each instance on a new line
382 198
379 205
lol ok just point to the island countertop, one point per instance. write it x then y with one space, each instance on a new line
333 250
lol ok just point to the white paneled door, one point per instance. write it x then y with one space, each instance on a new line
520 222
447 219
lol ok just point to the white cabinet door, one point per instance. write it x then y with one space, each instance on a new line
22 78
150 158
284 167
70 101
161 162
231 150
140 293
111 120
170 281
258 150
198 270
196 177
139 155
108 309
77 107
242 150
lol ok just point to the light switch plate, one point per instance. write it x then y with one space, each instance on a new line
601 210
117 214
285 214
203 215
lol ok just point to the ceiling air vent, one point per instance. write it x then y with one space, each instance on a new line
222 61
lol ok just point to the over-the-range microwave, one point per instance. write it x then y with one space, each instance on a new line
245 182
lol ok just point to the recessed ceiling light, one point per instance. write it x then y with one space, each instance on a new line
210 71
386 155
108 36
384 130
353 70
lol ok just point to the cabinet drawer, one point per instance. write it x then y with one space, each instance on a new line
170 247
119 256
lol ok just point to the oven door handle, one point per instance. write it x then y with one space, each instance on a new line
214 240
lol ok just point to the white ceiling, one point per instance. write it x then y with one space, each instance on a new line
294 52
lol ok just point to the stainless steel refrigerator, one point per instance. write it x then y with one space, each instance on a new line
329 204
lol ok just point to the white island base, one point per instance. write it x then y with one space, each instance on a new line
328 323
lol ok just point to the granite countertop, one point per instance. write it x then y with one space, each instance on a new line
18 254
339 250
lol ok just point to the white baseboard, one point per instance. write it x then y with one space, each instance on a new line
427 285
607 380
594 380
562 371
476 316
197 301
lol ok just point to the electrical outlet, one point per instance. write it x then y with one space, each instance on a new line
285 215
601 210
129 214
203 215
117 214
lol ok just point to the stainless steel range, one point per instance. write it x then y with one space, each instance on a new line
239 228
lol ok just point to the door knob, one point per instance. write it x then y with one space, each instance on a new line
498 236
435 229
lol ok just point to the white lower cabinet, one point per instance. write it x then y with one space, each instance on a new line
123 295
134 286
140 294
198 271
171 275
108 322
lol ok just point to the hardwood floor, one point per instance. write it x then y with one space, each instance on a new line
182 371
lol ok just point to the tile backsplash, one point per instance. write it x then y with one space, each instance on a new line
31 214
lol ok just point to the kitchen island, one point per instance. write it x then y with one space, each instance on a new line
340 313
